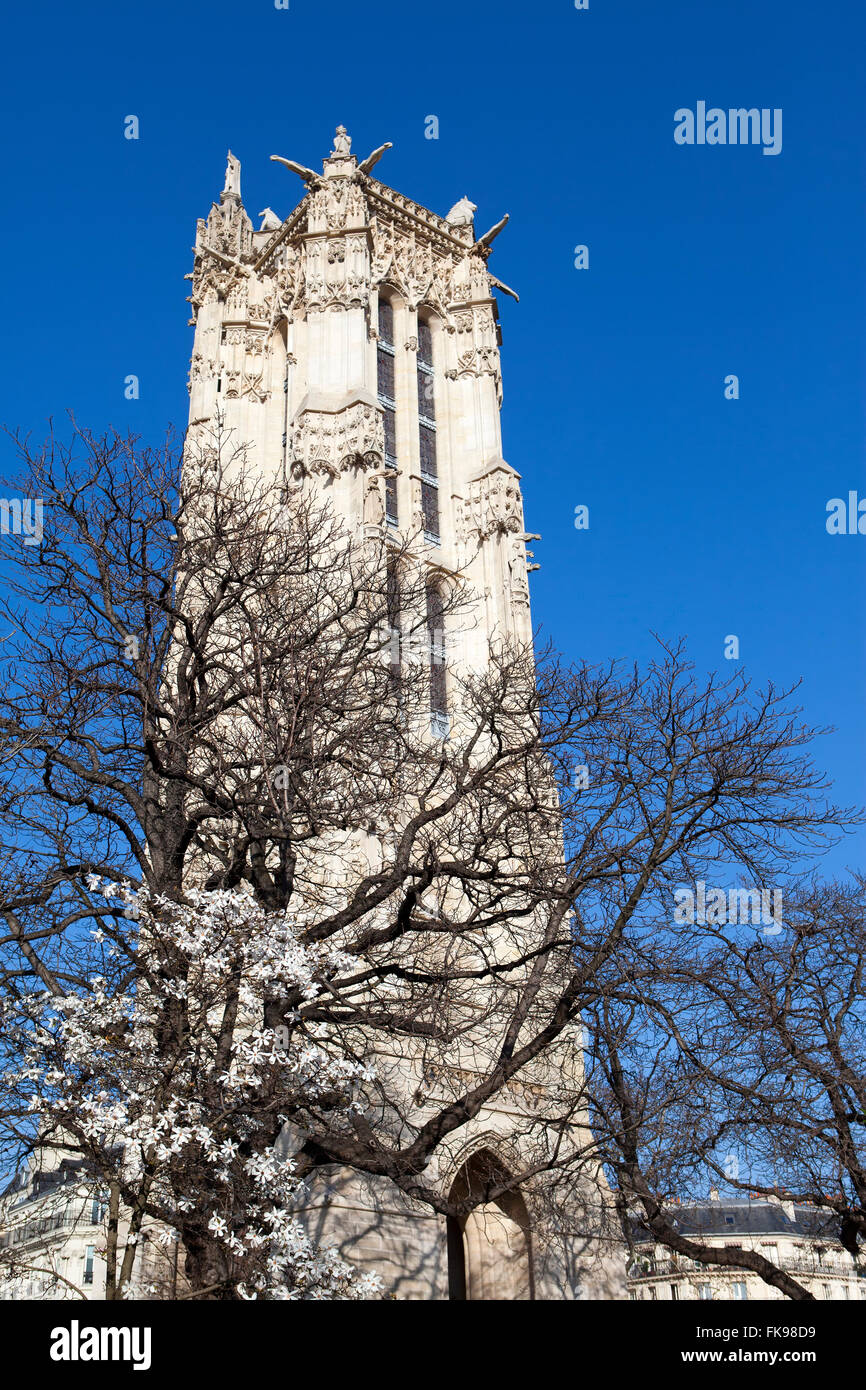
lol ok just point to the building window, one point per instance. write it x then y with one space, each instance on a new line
386 394
675 1293
88 1263
392 607
705 1291
739 1291
427 434
439 721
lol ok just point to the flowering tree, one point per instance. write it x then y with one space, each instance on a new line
157 1070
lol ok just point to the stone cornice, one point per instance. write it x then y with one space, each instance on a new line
398 207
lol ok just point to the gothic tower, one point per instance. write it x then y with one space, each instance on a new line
356 344
355 347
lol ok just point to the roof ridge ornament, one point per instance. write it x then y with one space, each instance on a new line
340 163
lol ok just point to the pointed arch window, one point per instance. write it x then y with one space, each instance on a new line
385 390
440 724
427 434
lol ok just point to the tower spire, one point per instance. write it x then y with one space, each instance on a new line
232 185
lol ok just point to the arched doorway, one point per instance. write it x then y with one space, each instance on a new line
489 1250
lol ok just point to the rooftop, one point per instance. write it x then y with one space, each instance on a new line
744 1216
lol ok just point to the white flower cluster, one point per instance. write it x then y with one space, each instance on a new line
170 1064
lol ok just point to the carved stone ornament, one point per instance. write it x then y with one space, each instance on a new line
328 443
374 503
495 504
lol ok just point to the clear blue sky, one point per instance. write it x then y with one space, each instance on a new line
706 515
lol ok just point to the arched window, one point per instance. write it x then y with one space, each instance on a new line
427 434
439 721
386 394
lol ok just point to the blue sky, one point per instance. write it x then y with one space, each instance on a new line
707 516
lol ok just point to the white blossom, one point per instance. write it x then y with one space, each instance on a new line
92 1064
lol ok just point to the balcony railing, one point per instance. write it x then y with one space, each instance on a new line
33 1231
655 1269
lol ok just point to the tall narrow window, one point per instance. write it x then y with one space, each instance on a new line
439 721
89 1253
392 604
385 391
427 434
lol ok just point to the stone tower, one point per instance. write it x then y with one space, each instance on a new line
355 347
356 344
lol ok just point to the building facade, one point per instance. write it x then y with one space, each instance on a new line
51 1229
353 349
54 1218
797 1238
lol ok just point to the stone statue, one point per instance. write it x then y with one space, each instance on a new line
342 144
374 510
233 175
518 581
462 213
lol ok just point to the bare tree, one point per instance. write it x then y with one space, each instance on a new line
732 1053
211 683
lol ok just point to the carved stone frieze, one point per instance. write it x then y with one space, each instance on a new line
336 205
253 386
201 367
473 345
330 442
495 504
336 272
223 243
408 262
